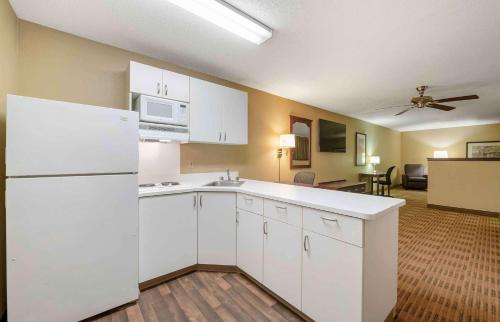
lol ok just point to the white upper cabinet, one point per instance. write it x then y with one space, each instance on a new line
175 86
205 122
235 116
218 114
154 81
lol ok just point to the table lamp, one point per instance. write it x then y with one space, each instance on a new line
287 141
374 159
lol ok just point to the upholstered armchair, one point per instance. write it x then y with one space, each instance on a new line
414 177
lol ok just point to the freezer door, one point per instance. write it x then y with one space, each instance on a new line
47 137
72 246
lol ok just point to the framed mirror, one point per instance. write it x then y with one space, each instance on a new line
360 149
301 155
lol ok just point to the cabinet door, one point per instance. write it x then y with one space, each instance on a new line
250 238
331 279
217 228
282 260
167 234
235 116
205 112
175 86
145 79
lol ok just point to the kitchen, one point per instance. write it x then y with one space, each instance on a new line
205 221
90 161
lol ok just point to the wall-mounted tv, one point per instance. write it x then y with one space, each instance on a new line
332 136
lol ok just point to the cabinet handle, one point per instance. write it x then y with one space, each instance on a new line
225 136
220 136
281 208
158 88
248 199
194 201
265 228
329 219
166 89
307 245
237 217
201 201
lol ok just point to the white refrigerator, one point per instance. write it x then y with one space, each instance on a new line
72 209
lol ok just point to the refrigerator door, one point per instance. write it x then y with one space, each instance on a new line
72 246
47 137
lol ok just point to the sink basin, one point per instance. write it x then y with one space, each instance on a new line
225 183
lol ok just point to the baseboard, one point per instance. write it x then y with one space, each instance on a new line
167 277
465 210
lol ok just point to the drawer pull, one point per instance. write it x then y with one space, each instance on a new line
307 245
330 219
281 208
248 199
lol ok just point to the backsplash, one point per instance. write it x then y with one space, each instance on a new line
159 162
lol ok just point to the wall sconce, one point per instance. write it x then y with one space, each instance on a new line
374 159
287 141
440 154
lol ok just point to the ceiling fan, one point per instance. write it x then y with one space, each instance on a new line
422 101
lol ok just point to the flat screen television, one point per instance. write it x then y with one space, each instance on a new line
332 136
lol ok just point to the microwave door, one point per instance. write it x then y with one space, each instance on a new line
157 112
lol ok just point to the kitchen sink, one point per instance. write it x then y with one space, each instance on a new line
225 183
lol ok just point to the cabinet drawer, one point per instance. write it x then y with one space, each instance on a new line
284 212
333 225
250 203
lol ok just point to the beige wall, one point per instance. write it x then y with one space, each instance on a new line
60 66
481 191
8 84
417 146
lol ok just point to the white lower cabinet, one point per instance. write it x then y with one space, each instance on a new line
282 260
167 234
217 228
250 236
332 278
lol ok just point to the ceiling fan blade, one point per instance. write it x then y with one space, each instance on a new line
441 107
403 111
381 109
459 98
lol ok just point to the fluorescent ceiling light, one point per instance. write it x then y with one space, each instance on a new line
228 17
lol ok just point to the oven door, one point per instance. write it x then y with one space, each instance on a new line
158 110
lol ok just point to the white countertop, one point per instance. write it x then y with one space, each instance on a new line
357 205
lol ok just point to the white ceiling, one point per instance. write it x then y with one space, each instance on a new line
350 57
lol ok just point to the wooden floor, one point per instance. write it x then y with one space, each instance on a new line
204 296
449 270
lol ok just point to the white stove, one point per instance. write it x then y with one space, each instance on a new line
162 186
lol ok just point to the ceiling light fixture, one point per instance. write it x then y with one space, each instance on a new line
228 17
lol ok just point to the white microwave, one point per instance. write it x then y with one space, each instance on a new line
162 110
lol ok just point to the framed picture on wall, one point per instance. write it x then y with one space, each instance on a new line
484 149
360 149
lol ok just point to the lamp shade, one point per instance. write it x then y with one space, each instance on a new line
440 154
287 141
375 159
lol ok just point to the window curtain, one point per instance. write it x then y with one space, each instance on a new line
301 152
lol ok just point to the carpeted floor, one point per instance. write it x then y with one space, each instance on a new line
449 264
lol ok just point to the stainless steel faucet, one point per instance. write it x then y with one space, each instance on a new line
228 175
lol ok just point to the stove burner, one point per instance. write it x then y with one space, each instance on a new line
144 185
169 183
